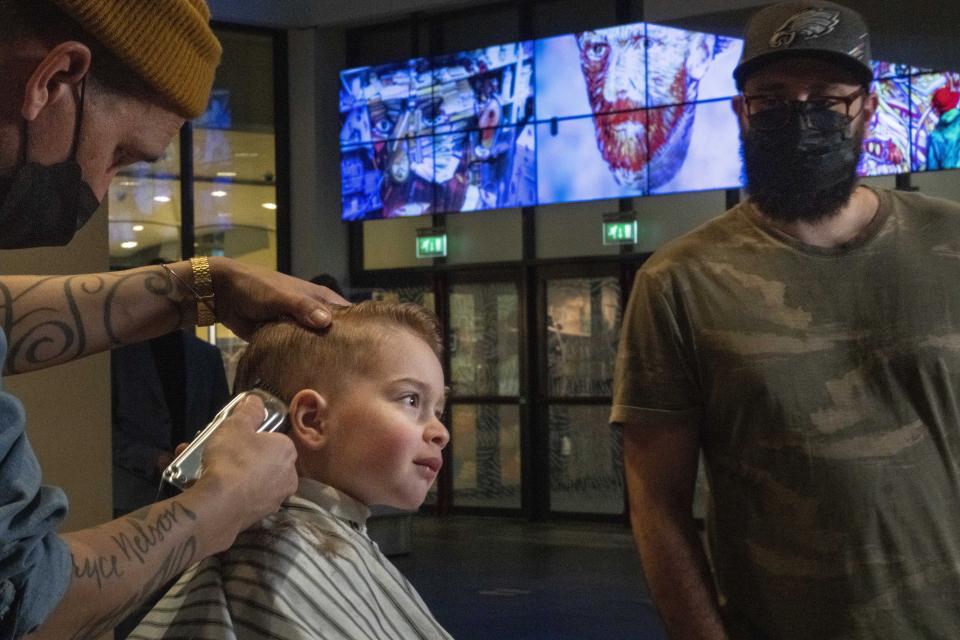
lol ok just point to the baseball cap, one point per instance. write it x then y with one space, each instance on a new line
807 28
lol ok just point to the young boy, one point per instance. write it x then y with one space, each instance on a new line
365 399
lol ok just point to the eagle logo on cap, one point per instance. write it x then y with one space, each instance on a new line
808 24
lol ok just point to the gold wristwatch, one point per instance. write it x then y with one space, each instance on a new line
203 289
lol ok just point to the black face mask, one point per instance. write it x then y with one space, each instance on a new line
44 206
800 163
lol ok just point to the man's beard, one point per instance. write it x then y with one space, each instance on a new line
783 185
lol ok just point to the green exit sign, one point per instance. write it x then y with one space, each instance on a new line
620 232
431 243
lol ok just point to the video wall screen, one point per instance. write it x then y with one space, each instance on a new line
627 111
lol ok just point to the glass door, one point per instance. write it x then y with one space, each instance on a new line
580 327
484 351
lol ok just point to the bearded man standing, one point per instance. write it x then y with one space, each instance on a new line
90 86
807 342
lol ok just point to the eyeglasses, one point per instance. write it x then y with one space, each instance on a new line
772 112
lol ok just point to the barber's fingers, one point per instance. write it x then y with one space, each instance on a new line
247 415
243 421
255 472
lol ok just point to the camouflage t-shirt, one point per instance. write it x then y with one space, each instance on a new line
827 385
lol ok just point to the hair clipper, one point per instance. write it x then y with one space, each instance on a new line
187 466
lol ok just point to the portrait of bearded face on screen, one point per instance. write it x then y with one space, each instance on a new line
628 69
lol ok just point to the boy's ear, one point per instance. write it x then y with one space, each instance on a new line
308 419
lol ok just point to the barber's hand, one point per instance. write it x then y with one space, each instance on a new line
248 296
249 474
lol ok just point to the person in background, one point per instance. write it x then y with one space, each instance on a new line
808 342
943 143
89 87
365 400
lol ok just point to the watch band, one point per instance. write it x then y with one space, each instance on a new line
203 290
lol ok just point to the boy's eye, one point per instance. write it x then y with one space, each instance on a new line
411 400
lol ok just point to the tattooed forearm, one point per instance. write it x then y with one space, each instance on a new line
155 282
144 544
137 544
52 320
176 562
99 569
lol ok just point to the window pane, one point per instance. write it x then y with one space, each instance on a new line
144 211
583 321
234 166
485 343
486 455
586 460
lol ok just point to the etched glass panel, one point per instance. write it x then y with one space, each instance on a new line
484 339
586 460
486 455
583 322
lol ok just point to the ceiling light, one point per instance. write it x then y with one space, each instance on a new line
269 205
226 174
246 154
130 244
138 227
218 194
161 199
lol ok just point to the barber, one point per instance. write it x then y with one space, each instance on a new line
89 87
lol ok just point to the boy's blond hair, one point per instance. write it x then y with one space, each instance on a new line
285 357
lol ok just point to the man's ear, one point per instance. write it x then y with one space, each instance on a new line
56 77
308 419
739 108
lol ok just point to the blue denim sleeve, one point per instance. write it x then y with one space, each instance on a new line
35 562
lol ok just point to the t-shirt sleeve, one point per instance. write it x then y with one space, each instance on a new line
34 560
654 377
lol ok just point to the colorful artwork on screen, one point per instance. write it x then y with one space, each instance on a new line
935 121
621 112
886 147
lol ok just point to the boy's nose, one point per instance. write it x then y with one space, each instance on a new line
437 433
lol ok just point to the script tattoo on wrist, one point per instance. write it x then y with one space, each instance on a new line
147 530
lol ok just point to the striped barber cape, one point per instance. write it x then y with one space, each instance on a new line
310 571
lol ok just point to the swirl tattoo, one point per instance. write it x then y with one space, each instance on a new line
44 327
155 282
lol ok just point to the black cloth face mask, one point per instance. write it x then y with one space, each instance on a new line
800 161
44 206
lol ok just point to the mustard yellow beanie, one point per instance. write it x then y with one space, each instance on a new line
169 43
